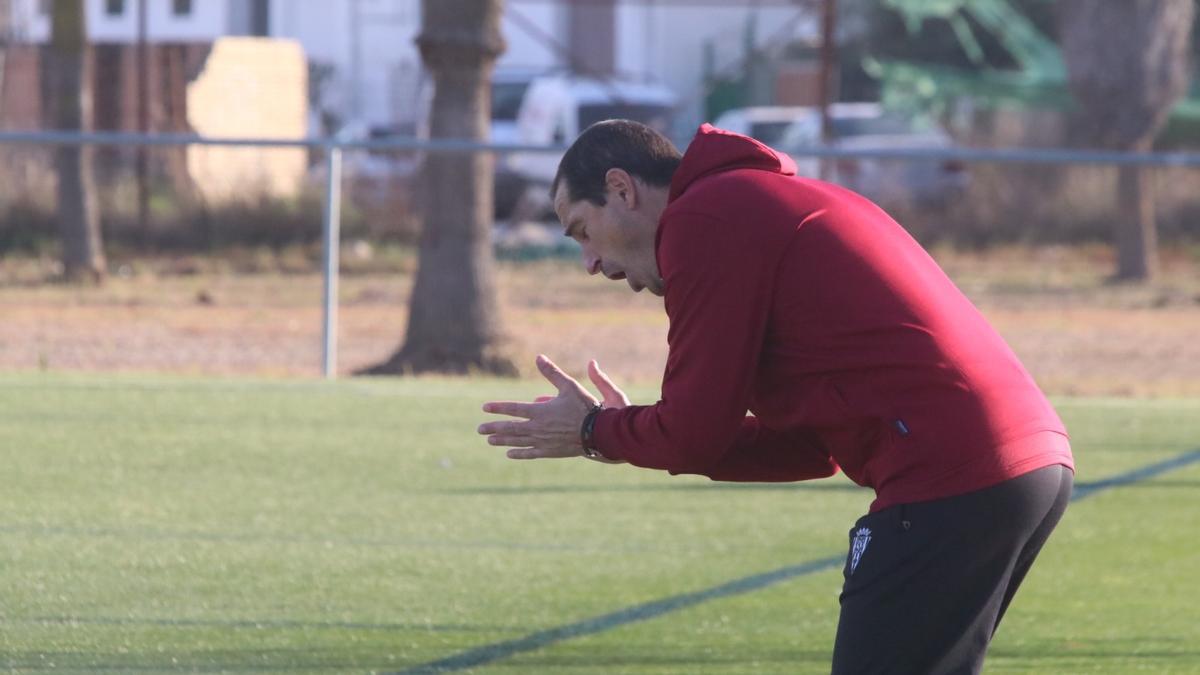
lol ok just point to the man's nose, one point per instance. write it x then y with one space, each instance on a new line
591 262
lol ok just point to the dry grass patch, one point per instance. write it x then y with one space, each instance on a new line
1076 333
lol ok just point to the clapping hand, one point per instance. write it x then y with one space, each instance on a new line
552 423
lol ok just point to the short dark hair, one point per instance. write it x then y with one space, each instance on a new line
615 144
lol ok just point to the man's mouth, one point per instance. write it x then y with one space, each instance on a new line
615 276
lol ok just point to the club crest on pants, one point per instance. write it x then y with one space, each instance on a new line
859 546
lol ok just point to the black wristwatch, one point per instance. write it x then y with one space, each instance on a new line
586 432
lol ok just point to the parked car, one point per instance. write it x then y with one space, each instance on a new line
767 123
868 126
508 92
556 109
536 109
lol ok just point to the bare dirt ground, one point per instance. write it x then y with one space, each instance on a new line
1075 332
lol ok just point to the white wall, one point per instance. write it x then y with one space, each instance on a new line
208 20
376 61
656 41
28 24
386 31
525 50
664 43
389 73
660 42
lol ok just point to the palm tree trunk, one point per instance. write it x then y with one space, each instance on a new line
454 322
1127 66
71 101
1136 234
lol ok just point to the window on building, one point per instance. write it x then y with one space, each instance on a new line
181 7
114 7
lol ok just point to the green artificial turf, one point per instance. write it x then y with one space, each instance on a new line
184 525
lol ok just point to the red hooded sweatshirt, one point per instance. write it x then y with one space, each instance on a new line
807 306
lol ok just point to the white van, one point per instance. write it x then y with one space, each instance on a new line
868 126
557 108
767 123
509 86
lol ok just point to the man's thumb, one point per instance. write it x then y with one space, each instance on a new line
555 374
598 378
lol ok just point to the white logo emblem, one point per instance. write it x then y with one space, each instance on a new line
859 546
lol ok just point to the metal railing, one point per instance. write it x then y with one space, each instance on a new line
1001 156
331 218
334 147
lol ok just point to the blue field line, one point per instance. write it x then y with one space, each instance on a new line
479 656
499 650
256 624
1084 490
151 534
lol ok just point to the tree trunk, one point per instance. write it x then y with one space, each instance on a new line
1136 234
71 101
454 322
172 117
1127 67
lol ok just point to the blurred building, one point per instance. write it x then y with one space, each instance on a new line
167 20
365 71
200 76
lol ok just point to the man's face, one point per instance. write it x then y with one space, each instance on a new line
615 242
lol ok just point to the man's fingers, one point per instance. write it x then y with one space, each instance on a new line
509 440
557 377
543 398
501 427
509 434
534 453
513 408
608 390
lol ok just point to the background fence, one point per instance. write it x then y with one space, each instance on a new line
287 205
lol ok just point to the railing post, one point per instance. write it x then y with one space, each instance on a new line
332 233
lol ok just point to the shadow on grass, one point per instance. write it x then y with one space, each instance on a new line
288 660
254 624
1137 648
1149 485
222 661
691 487
629 660
273 539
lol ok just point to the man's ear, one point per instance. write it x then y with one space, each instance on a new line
621 185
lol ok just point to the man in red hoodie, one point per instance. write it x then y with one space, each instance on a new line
807 306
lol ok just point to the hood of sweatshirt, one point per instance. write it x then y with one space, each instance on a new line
715 150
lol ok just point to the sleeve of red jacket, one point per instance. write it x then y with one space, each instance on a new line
765 455
719 285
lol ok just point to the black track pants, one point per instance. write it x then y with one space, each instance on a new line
927 583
